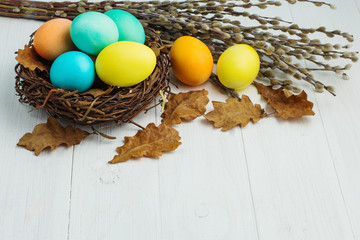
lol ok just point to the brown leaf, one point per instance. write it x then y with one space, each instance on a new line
293 106
185 107
30 59
234 112
51 134
157 49
150 142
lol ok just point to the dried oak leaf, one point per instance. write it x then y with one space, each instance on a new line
30 59
185 107
234 112
157 49
51 134
286 105
150 142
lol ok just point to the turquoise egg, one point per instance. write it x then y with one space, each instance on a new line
93 31
73 71
130 29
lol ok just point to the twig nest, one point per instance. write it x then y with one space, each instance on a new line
100 104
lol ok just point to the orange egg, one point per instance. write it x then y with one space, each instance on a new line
53 39
191 60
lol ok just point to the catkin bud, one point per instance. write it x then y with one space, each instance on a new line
268 74
296 90
297 76
108 7
274 82
58 13
345 76
288 82
288 87
205 27
177 26
280 51
348 66
330 89
80 10
239 37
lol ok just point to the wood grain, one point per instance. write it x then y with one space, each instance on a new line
339 115
34 192
204 186
273 180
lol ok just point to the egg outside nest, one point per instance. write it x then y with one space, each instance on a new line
114 104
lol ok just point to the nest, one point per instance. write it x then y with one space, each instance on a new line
106 104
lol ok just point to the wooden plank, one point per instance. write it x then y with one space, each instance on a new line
295 187
112 201
339 115
271 180
357 4
34 192
201 195
204 185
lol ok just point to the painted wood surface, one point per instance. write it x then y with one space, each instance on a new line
271 180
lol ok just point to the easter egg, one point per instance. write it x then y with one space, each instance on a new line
238 66
93 31
73 71
125 64
191 60
130 29
53 39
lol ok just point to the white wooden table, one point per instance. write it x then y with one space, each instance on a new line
271 180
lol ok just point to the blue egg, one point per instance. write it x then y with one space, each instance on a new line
91 32
73 71
130 28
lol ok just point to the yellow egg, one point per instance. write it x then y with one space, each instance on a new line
238 66
125 64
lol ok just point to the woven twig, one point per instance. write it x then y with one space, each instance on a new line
119 105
